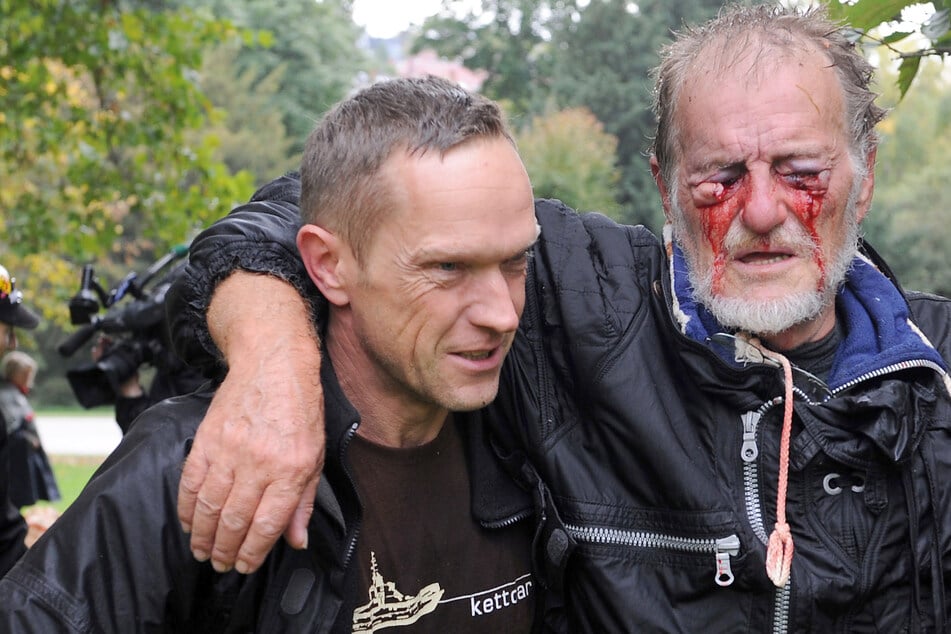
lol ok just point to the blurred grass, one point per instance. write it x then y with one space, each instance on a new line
72 474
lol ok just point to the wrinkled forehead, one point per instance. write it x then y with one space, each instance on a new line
757 77
754 56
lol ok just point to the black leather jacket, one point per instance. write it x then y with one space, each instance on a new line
654 454
660 452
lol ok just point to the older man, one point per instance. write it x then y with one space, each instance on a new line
418 238
744 427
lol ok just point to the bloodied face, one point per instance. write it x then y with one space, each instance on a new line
767 197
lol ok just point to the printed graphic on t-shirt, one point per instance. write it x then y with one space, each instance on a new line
388 607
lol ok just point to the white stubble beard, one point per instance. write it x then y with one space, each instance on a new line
779 314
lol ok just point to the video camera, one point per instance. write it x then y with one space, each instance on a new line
138 329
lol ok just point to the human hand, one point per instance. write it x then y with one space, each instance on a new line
38 520
253 469
100 346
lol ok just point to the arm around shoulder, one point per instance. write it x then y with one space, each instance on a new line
254 466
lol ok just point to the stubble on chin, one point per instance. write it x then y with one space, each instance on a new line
778 314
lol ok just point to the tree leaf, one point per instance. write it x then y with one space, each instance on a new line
906 73
896 37
866 14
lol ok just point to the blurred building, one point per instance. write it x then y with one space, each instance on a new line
428 63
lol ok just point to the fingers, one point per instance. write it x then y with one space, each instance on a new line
193 474
296 533
209 501
279 504
257 451
238 505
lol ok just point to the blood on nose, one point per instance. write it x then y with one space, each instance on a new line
764 208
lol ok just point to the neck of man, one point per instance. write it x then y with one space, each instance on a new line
390 415
802 333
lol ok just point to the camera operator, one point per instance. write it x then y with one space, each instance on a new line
132 335
172 378
122 358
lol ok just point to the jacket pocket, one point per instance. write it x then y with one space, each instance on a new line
642 573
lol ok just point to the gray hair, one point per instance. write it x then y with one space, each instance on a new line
15 362
741 31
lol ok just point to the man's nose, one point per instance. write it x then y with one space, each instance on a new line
764 209
495 304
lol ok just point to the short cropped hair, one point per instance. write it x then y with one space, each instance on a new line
340 185
756 31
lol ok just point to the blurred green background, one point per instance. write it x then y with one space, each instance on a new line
126 126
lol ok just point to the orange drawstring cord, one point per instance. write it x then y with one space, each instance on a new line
779 551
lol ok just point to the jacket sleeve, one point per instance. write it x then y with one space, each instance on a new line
259 236
117 559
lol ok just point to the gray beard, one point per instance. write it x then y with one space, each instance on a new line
777 315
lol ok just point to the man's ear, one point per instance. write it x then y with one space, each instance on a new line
326 258
661 186
864 201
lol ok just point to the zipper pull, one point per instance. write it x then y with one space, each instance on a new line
726 547
749 451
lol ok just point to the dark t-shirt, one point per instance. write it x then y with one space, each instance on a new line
425 563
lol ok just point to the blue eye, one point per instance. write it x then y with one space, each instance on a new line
448 266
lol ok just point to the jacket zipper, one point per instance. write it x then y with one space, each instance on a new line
352 545
749 451
722 549
888 369
509 521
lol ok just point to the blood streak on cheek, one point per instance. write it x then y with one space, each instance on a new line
807 206
716 220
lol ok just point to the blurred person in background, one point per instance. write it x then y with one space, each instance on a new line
31 475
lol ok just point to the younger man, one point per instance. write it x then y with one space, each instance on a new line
418 220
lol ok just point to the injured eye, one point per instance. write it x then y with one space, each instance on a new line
709 193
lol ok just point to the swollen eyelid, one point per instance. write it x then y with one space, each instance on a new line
810 180
517 262
708 193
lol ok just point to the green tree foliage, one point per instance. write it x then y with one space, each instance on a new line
911 40
247 130
602 60
100 160
910 223
97 102
570 157
508 38
314 42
